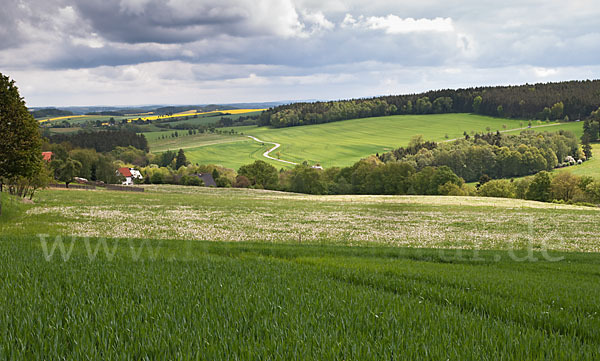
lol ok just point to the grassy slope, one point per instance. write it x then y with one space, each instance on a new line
343 143
183 299
186 141
589 168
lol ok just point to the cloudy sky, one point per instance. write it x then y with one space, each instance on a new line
133 52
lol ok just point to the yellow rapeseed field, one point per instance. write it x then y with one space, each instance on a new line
59 118
192 113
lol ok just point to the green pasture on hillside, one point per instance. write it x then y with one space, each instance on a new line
589 168
193 273
345 142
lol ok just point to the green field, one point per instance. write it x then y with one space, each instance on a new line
208 120
590 168
196 273
345 142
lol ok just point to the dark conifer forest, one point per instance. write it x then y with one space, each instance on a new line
102 141
569 100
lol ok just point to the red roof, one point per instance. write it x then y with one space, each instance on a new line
125 172
47 156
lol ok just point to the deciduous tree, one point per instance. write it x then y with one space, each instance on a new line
20 142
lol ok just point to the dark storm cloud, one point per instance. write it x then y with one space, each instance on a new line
78 57
279 32
9 32
347 46
138 21
154 24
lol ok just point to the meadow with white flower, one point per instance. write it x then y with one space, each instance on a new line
198 273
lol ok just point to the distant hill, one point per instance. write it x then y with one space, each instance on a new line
569 100
50 112
160 109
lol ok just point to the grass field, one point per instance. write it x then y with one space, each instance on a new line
590 168
196 273
207 120
343 143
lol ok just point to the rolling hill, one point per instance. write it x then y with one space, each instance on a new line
339 143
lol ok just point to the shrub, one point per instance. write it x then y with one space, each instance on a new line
501 188
157 178
452 189
191 180
539 189
564 186
223 181
241 182
593 191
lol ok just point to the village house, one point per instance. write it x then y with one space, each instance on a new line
47 156
207 178
130 174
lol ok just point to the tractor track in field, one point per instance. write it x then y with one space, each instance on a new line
268 152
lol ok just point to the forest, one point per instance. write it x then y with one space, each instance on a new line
572 100
102 141
493 154
50 112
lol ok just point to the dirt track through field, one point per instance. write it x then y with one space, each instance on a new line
267 153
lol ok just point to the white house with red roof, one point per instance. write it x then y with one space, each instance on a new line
130 174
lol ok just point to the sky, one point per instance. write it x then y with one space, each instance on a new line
138 52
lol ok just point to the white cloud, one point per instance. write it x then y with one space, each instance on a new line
318 20
544 72
393 24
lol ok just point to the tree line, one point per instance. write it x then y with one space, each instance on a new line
493 154
102 141
569 100
371 176
50 113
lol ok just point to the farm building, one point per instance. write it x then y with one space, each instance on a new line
130 174
207 178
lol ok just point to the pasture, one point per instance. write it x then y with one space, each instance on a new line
345 142
590 168
196 273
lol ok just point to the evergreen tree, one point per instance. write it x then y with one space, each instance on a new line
181 160
587 150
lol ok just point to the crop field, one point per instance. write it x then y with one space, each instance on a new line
69 117
212 119
196 273
80 119
343 143
204 118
